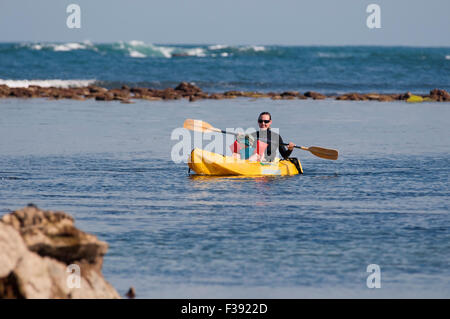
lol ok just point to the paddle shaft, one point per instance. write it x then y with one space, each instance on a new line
236 134
300 147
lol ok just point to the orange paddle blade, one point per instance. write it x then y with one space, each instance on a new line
199 126
323 152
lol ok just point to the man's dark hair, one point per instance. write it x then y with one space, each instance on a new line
265 113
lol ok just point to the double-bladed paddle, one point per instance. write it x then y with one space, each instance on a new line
201 126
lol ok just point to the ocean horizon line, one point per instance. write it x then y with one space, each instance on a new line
228 44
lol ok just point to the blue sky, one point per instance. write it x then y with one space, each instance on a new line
286 22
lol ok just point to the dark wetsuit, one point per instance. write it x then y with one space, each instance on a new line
275 142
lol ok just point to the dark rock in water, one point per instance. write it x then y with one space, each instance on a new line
120 93
314 95
290 95
216 96
107 96
439 95
233 93
187 89
378 97
386 98
43 255
78 98
250 94
169 94
201 95
405 96
96 89
4 91
352 97
193 98
193 93
151 98
20 92
139 90
395 96
131 293
185 86
126 102
373 96
180 54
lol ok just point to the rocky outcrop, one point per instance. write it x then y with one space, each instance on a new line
187 89
290 95
314 95
351 97
43 255
439 95
4 91
193 93
379 97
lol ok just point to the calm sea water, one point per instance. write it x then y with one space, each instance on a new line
221 67
385 201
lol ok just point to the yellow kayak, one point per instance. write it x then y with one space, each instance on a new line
207 163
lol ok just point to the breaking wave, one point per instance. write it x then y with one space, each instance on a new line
140 49
47 83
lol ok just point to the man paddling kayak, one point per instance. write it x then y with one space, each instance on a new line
208 163
266 142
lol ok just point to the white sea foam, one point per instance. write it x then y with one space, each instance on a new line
255 48
60 47
69 47
136 54
217 47
36 47
196 52
121 45
140 49
46 83
447 57
165 51
258 48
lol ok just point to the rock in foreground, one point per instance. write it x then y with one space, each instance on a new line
41 253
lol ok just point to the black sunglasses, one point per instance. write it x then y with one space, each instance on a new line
263 121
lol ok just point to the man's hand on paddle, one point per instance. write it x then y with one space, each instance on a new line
291 146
